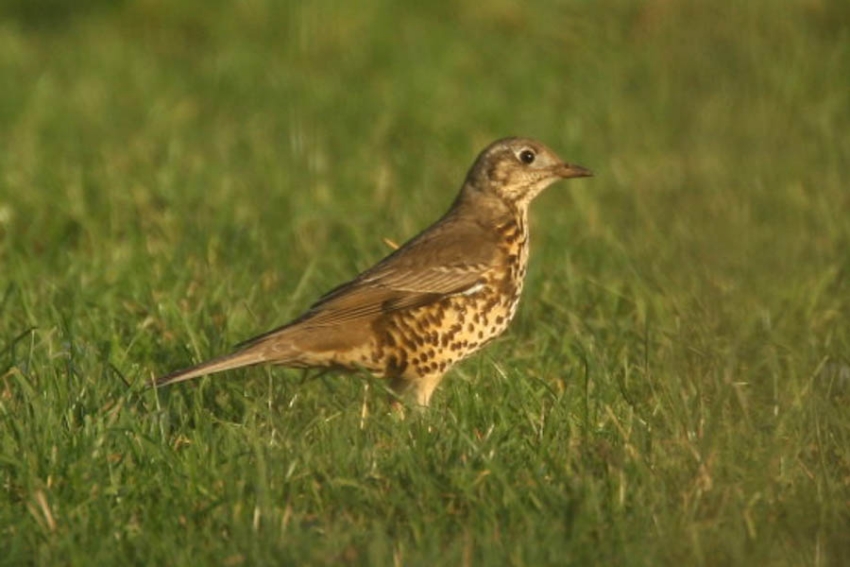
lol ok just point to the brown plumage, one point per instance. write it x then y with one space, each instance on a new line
432 302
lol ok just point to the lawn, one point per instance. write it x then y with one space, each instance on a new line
178 176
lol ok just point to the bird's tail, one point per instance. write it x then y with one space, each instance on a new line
238 359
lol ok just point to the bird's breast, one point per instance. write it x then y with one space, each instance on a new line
514 252
428 339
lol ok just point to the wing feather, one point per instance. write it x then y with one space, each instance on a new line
449 258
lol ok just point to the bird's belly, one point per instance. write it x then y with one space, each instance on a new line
428 340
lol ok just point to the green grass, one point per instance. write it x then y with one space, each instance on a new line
178 176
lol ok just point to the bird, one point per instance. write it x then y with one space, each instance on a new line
433 301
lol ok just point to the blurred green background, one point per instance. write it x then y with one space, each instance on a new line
176 176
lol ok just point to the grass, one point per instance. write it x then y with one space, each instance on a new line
178 176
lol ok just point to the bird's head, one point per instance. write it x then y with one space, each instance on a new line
517 170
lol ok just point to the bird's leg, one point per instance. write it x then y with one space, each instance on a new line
421 389
425 386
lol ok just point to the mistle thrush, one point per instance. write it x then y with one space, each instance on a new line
432 302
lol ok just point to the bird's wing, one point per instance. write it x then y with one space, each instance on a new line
394 290
447 259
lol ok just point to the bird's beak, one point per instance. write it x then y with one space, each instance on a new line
566 170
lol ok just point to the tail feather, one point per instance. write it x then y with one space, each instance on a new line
239 359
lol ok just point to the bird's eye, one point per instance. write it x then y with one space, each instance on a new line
526 156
